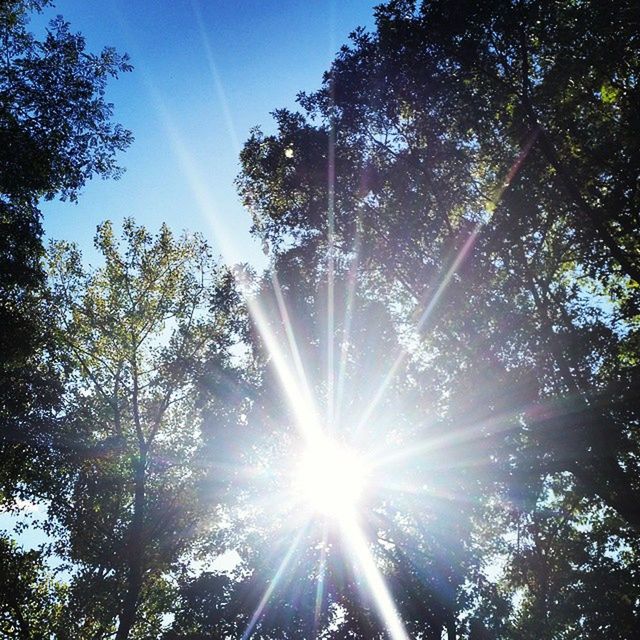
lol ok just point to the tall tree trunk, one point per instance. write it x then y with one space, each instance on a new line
127 616
451 628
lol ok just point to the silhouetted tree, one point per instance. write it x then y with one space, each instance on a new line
55 134
481 160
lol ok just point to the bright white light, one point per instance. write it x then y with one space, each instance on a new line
330 478
374 581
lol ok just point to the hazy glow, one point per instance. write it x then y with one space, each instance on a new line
330 478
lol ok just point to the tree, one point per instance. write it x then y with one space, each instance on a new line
147 339
55 134
55 126
463 152
29 596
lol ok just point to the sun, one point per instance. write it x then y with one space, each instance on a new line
330 478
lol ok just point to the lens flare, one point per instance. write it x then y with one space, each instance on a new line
374 581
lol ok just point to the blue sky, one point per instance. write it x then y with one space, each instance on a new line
206 71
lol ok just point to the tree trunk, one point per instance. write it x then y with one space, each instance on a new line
451 628
127 616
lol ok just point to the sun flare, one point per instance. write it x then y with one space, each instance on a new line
330 479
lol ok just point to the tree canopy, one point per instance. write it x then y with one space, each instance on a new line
470 153
421 421
55 134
